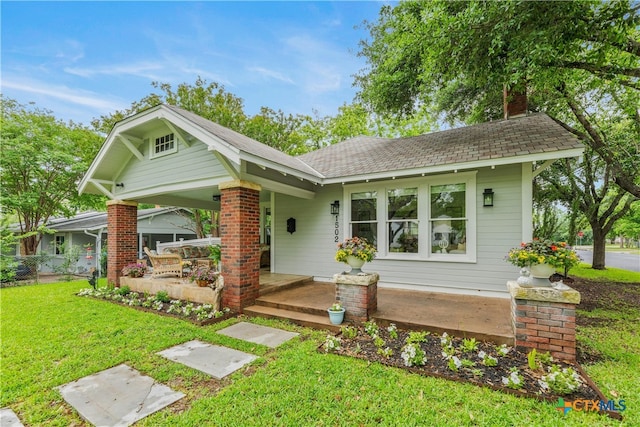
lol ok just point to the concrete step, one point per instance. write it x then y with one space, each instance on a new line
315 321
283 285
292 306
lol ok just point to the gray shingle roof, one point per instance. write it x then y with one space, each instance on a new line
487 141
246 144
96 220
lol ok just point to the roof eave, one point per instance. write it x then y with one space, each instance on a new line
454 167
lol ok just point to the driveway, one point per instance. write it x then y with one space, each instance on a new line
614 259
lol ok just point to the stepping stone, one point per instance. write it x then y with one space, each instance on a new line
271 337
211 359
8 418
118 396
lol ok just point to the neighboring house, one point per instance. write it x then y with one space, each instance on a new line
419 199
89 230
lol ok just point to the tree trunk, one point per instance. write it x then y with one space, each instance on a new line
29 245
599 245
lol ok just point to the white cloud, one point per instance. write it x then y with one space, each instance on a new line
146 70
74 96
271 74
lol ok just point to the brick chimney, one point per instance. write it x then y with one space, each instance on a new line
515 103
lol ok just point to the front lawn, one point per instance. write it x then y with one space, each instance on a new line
50 336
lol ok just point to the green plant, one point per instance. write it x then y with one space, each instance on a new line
531 359
215 254
336 306
332 343
393 331
417 337
514 380
349 332
469 344
385 352
378 342
162 296
123 291
454 363
487 360
466 363
561 381
557 254
371 328
413 355
207 274
134 270
357 247
503 350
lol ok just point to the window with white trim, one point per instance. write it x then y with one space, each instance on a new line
163 145
430 218
447 219
364 221
58 248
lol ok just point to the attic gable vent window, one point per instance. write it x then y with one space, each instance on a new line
166 144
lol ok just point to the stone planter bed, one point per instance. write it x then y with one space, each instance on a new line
179 309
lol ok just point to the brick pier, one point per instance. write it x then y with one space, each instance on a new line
544 318
358 294
122 244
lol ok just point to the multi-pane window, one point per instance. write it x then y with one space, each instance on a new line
447 219
364 221
59 245
164 145
417 218
402 220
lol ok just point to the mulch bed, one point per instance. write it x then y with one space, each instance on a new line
593 295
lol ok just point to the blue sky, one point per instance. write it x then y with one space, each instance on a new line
86 59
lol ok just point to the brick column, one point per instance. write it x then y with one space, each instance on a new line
122 237
357 294
240 235
545 319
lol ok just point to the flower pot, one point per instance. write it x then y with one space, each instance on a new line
542 271
355 264
336 317
202 283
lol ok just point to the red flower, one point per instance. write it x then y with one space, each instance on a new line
554 248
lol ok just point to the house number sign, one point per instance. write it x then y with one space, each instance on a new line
336 236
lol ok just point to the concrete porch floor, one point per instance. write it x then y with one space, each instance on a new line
305 302
483 318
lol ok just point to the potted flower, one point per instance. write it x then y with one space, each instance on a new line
355 251
134 270
543 257
203 276
336 313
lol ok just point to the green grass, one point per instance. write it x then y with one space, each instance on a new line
610 274
50 337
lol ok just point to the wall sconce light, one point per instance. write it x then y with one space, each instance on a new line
216 197
335 207
291 225
120 184
487 197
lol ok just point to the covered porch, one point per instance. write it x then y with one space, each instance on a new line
304 301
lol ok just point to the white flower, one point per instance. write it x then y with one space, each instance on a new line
482 354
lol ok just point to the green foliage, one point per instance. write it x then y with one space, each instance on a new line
163 297
349 332
579 60
417 337
123 290
70 256
42 161
90 336
609 275
371 328
469 344
378 342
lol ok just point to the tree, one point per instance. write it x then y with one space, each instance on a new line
569 56
628 227
586 187
42 161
